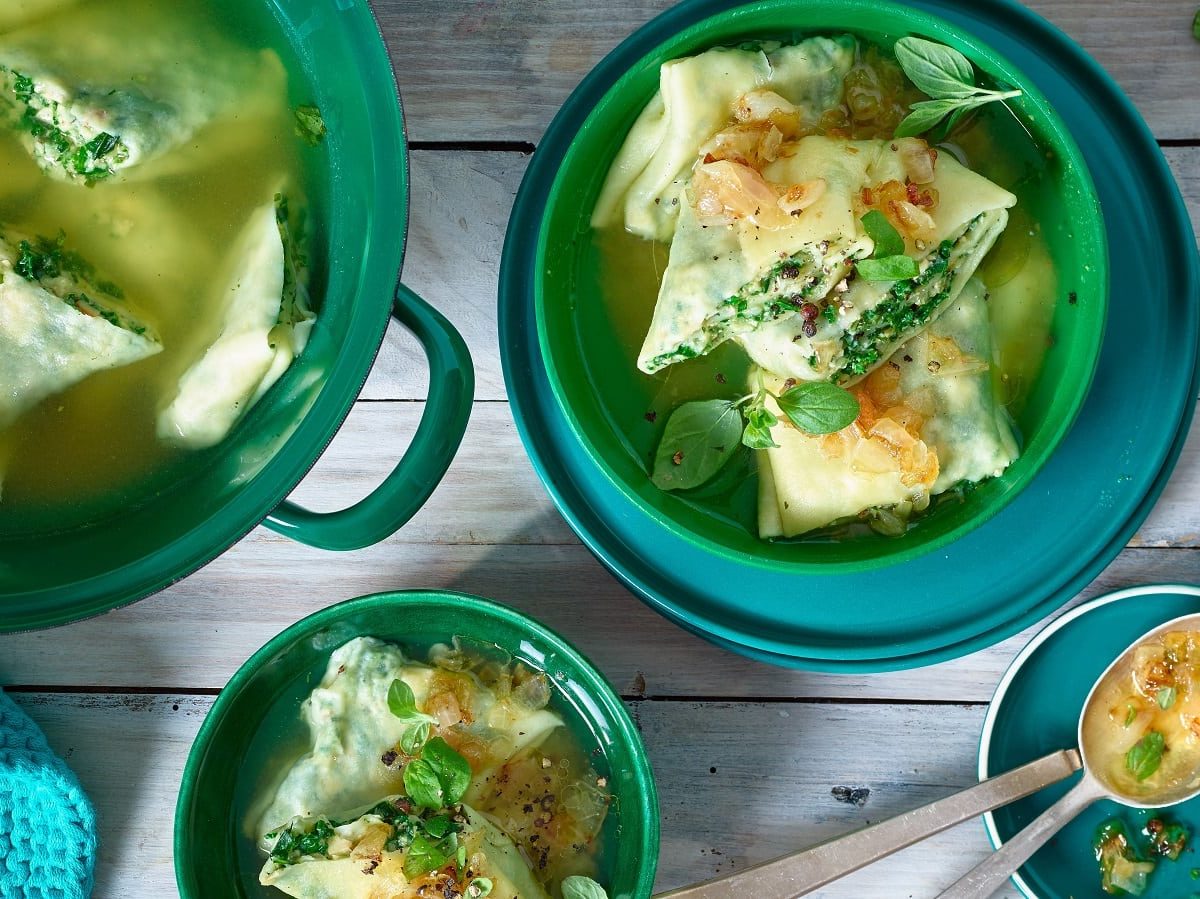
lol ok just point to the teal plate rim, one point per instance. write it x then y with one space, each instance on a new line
1014 669
1112 513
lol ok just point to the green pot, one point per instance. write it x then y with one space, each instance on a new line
966 577
50 580
227 767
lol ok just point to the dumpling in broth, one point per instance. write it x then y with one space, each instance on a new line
58 324
267 322
88 106
362 860
929 421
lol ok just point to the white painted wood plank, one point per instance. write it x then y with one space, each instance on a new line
768 795
197 633
500 69
461 202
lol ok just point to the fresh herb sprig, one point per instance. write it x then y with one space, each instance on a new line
1145 755
948 78
888 261
579 887
701 436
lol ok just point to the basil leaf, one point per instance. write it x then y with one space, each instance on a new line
818 407
452 770
759 421
423 785
310 125
414 738
579 887
403 703
699 439
924 115
936 69
437 827
891 268
1130 714
1145 756
1165 698
424 855
888 241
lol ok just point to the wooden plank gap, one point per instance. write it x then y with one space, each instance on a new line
524 147
87 690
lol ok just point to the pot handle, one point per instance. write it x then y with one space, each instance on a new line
405 490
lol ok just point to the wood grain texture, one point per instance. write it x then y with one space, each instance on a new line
461 202
500 69
772 791
197 633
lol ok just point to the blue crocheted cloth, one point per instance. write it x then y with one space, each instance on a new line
47 826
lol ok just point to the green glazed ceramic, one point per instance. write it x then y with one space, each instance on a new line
880 605
362 199
1036 711
259 710
601 394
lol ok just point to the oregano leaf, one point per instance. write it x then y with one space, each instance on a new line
699 439
883 233
940 71
818 407
890 268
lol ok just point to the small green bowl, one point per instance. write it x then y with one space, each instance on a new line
259 709
603 398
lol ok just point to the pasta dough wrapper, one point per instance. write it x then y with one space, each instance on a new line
266 324
351 726
87 108
353 874
56 331
929 424
645 185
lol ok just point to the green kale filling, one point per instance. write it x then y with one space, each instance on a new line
776 294
295 305
48 263
92 160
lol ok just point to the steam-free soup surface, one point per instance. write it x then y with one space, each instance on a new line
160 234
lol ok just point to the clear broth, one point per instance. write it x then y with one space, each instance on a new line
92 450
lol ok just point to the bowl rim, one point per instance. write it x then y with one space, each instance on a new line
1014 668
478 607
1090 335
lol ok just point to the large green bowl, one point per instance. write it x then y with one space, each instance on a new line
260 706
1009 556
363 205
597 387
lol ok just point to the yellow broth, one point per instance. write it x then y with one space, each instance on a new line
161 234
620 275
1142 729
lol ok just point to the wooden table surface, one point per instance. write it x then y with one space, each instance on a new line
746 755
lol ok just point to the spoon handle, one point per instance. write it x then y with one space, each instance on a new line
796 874
989 875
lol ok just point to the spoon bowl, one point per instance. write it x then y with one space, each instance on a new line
1097 783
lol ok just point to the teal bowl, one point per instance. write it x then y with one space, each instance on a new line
261 704
1035 711
604 398
362 202
1064 509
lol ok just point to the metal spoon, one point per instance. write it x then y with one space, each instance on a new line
991 874
796 874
